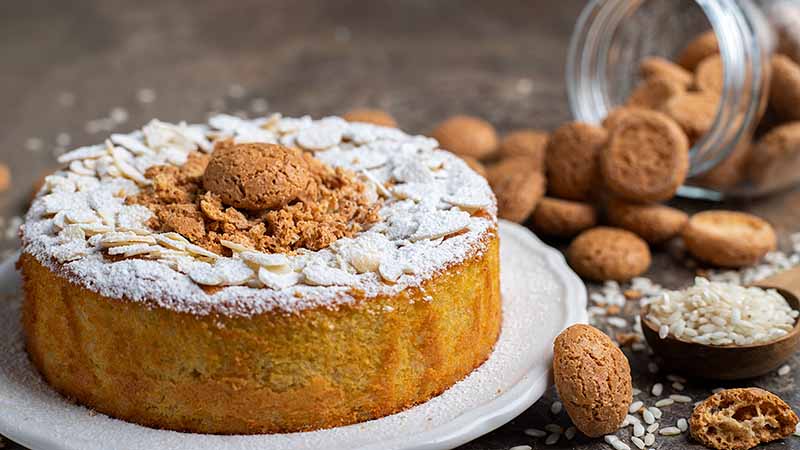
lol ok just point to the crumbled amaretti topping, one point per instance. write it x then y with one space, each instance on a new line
265 197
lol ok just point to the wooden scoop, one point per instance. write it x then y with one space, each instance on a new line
731 362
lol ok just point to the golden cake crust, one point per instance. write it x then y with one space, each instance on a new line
269 373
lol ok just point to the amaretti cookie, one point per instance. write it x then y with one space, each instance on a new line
656 67
467 136
564 218
572 160
728 238
606 253
615 115
475 165
5 177
527 142
785 87
709 74
257 176
647 157
518 190
653 222
593 379
740 419
694 111
775 159
653 93
371 115
698 49
731 170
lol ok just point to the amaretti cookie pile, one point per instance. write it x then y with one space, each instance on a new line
622 172
566 183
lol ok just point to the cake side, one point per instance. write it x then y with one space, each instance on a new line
270 372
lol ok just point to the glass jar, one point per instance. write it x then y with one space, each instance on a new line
612 36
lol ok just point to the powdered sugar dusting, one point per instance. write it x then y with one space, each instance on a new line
435 213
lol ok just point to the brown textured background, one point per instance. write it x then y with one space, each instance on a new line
421 60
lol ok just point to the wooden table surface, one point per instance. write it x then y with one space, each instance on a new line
69 66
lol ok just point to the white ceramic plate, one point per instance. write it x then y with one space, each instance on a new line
541 296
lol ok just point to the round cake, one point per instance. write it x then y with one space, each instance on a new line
260 276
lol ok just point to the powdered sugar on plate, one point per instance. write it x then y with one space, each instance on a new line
435 213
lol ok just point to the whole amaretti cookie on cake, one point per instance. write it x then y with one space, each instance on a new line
257 176
260 276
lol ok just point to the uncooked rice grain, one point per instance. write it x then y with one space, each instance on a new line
552 439
658 388
597 311
635 406
556 407
784 370
619 445
681 398
672 377
669 431
533 432
638 442
570 433
664 402
648 417
719 313
554 428
629 420
683 425
655 412
617 322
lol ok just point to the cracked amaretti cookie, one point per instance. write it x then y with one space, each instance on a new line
260 276
739 419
